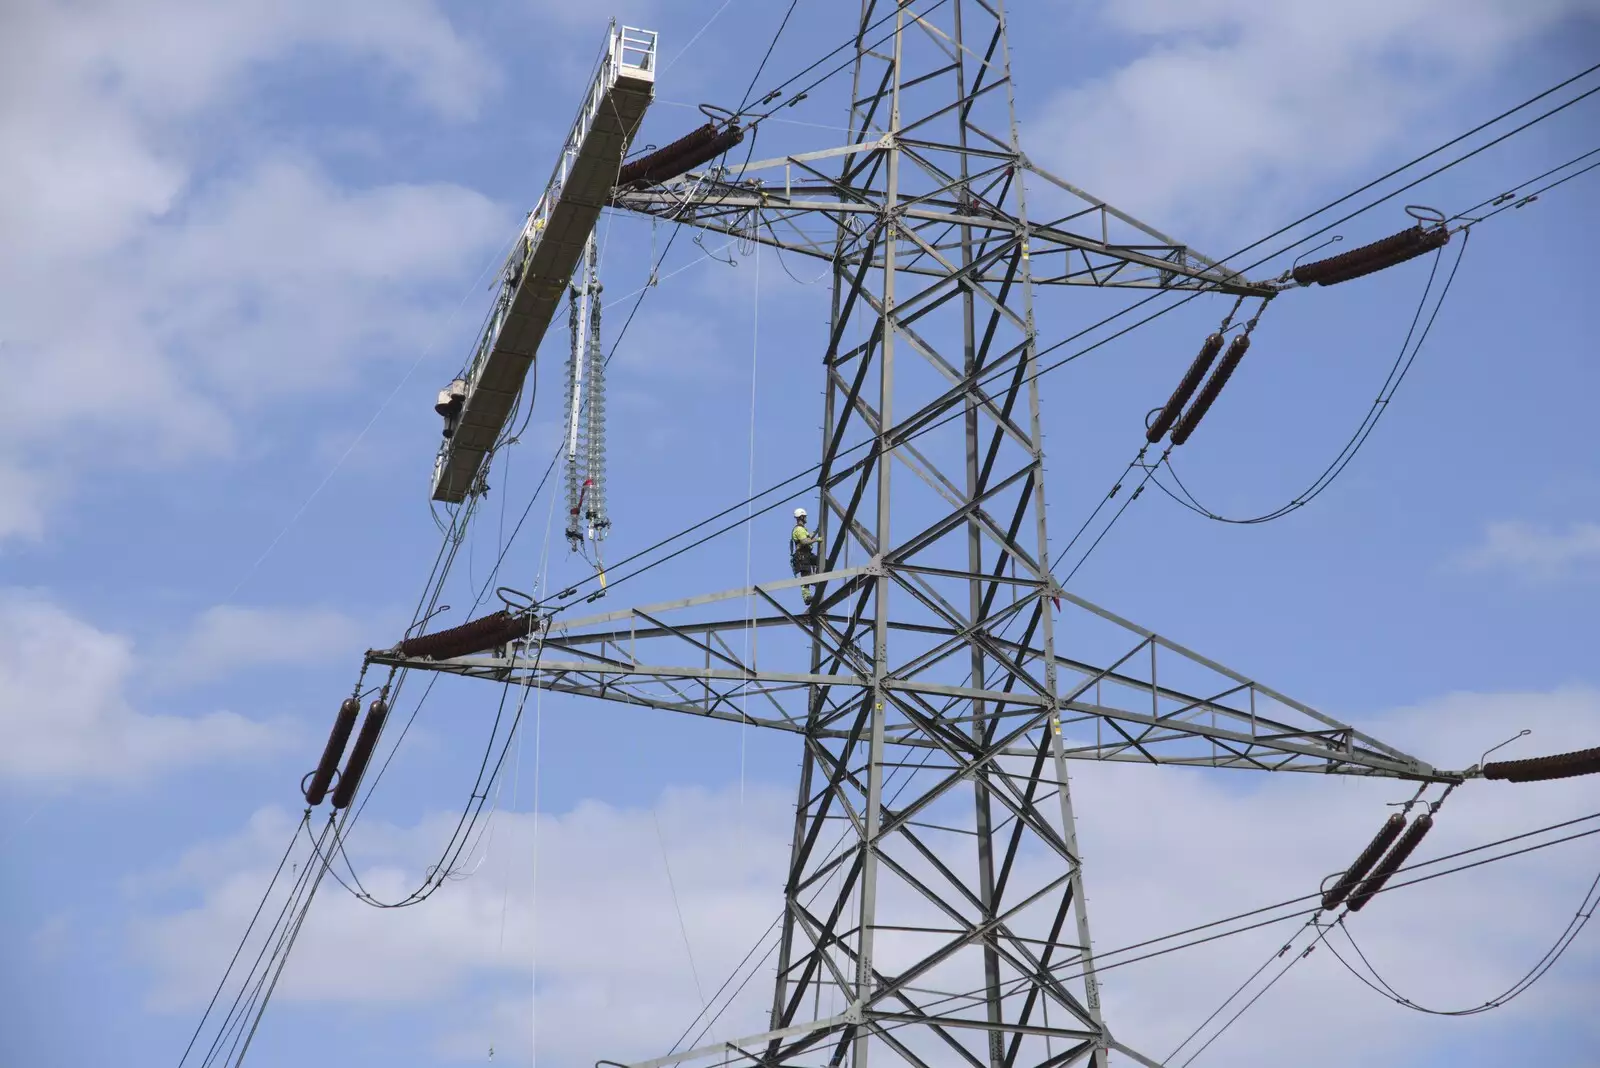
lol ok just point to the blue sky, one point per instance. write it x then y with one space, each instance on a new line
242 247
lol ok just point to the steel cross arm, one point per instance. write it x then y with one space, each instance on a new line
1220 669
1247 739
724 213
738 1045
518 670
1336 760
881 1016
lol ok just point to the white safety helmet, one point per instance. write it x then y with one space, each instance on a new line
799 513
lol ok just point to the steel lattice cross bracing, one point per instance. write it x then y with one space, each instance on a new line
942 679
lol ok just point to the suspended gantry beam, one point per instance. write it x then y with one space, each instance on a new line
545 255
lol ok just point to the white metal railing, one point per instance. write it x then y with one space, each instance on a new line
633 42
625 47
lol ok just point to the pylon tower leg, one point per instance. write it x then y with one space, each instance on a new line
956 945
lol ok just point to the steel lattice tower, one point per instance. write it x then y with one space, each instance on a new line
943 678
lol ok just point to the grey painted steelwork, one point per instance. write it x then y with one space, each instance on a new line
546 253
934 908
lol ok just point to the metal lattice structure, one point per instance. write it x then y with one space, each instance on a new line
942 678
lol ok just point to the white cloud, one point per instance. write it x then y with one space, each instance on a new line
162 272
65 716
609 944
228 637
1233 106
1164 849
23 496
1534 552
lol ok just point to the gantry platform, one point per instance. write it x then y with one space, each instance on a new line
546 254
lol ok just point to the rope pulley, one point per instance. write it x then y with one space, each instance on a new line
1429 233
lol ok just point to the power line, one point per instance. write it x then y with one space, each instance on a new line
1391 384
1296 959
1100 967
1509 195
1229 1000
745 98
243 940
853 40
1100 957
1040 371
1541 967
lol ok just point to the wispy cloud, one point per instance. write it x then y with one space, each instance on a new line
65 715
227 638
1233 106
1536 553
615 979
225 271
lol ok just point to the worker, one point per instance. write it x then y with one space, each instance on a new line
803 551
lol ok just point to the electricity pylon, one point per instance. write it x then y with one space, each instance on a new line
941 680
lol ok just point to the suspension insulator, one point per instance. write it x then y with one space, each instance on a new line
1180 396
1392 250
1539 769
1369 856
338 738
361 755
1208 393
1390 864
474 636
686 153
